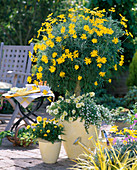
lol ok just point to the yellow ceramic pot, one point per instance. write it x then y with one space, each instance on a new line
49 152
74 130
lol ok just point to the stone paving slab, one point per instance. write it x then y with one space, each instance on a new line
29 158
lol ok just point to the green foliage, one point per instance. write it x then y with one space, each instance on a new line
20 19
72 49
84 107
107 100
126 8
23 135
6 107
132 79
121 114
47 130
130 98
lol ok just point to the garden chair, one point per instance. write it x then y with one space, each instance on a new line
15 66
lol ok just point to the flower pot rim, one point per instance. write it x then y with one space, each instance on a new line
43 140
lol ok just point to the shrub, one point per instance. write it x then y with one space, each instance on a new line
130 98
79 50
132 79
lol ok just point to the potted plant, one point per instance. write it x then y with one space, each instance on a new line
20 137
79 115
48 136
77 51
121 117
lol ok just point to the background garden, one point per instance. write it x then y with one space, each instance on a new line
104 91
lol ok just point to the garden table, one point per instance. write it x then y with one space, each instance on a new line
21 104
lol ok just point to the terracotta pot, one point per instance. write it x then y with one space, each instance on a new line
49 152
74 130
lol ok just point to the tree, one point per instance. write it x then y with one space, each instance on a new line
20 19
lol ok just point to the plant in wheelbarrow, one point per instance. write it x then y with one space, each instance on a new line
20 137
48 136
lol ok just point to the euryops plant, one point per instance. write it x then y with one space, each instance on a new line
84 107
47 130
77 51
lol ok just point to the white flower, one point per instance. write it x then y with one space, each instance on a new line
58 102
65 113
78 105
76 100
73 111
67 100
70 119
72 97
92 94
62 118
52 104
82 104
55 111
60 97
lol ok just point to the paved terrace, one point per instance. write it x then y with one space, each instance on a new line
17 158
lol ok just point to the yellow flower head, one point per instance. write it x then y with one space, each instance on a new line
62 74
79 77
39 118
34 130
115 40
58 39
44 119
40 69
94 40
62 29
55 127
29 79
48 131
114 129
52 69
94 53
87 60
109 80
83 37
28 126
76 67
102 74
95 83
54 55
45 134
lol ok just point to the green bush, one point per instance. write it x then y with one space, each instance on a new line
131 97
132 79
107 100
